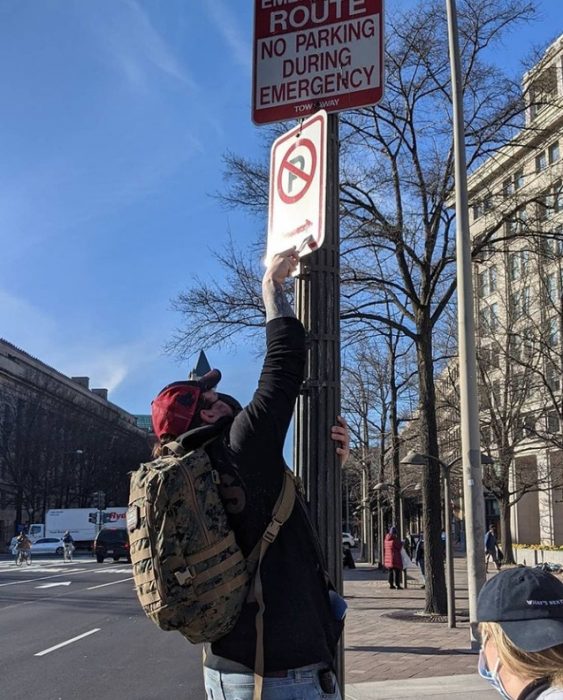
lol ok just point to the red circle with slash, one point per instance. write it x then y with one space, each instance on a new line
295 172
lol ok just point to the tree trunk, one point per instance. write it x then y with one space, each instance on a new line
18 508
436 601
505 531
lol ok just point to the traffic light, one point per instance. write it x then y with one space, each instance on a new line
93 518
98 500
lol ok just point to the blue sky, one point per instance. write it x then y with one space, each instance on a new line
114 117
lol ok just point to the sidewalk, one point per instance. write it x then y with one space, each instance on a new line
391 653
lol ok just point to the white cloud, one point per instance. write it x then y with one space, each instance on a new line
135 46
225 21
108 366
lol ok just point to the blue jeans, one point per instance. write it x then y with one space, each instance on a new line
300 684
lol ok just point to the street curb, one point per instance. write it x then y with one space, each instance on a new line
463 687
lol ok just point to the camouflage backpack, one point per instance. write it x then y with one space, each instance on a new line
189 572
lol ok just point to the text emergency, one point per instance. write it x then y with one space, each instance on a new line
311 55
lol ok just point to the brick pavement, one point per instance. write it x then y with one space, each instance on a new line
380 648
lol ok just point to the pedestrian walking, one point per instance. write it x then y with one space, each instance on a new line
419 560
491 548
302 619
348 559
520 615
392 559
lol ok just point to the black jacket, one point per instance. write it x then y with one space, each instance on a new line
299 628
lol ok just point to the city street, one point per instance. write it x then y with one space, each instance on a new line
75 630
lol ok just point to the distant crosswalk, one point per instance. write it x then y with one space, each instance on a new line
55 566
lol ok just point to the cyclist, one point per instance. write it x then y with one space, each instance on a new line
23 548
68 543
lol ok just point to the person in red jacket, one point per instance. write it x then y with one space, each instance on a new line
392 557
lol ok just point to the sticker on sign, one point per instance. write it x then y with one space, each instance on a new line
297 188
326 54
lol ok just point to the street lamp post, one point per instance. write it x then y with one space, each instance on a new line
468 401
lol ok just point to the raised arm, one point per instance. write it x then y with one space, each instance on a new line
281 267
263 424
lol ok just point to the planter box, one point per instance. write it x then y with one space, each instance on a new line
531 557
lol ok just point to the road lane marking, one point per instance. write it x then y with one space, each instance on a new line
43 578
69 641
111 583
52 585
114 571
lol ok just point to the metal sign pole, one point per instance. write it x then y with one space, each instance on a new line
318 307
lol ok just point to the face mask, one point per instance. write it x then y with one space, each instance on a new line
492 677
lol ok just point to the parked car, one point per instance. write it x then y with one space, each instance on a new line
112 542
47 545
348 540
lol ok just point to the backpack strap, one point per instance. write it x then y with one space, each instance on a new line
281 512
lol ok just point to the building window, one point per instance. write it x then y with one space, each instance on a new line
551 287
507 188
527 428
553 422
553 377
521 219
543 90
552 244
541 162
541 207
520 303
553 332
553 153
524 341
555 203
477 211
517 264
496 392
489 357
518 179
489 317
487 281
517 383
487 434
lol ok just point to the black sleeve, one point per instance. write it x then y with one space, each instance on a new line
262 426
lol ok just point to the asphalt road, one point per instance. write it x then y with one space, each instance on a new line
75 631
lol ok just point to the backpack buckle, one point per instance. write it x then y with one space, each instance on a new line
272 531
185 577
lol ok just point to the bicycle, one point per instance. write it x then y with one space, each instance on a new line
23 555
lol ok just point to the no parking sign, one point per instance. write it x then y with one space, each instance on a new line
297 187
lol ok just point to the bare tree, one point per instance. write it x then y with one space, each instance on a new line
56 454
396 184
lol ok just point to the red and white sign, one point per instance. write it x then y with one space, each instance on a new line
297 187
316 54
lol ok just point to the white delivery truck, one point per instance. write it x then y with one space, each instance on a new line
82 523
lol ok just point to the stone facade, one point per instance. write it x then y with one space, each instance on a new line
60 442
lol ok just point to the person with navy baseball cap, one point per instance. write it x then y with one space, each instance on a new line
520 615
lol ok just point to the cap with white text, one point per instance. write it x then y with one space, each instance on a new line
528 604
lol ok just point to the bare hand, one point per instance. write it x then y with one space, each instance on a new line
341 436
282 265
